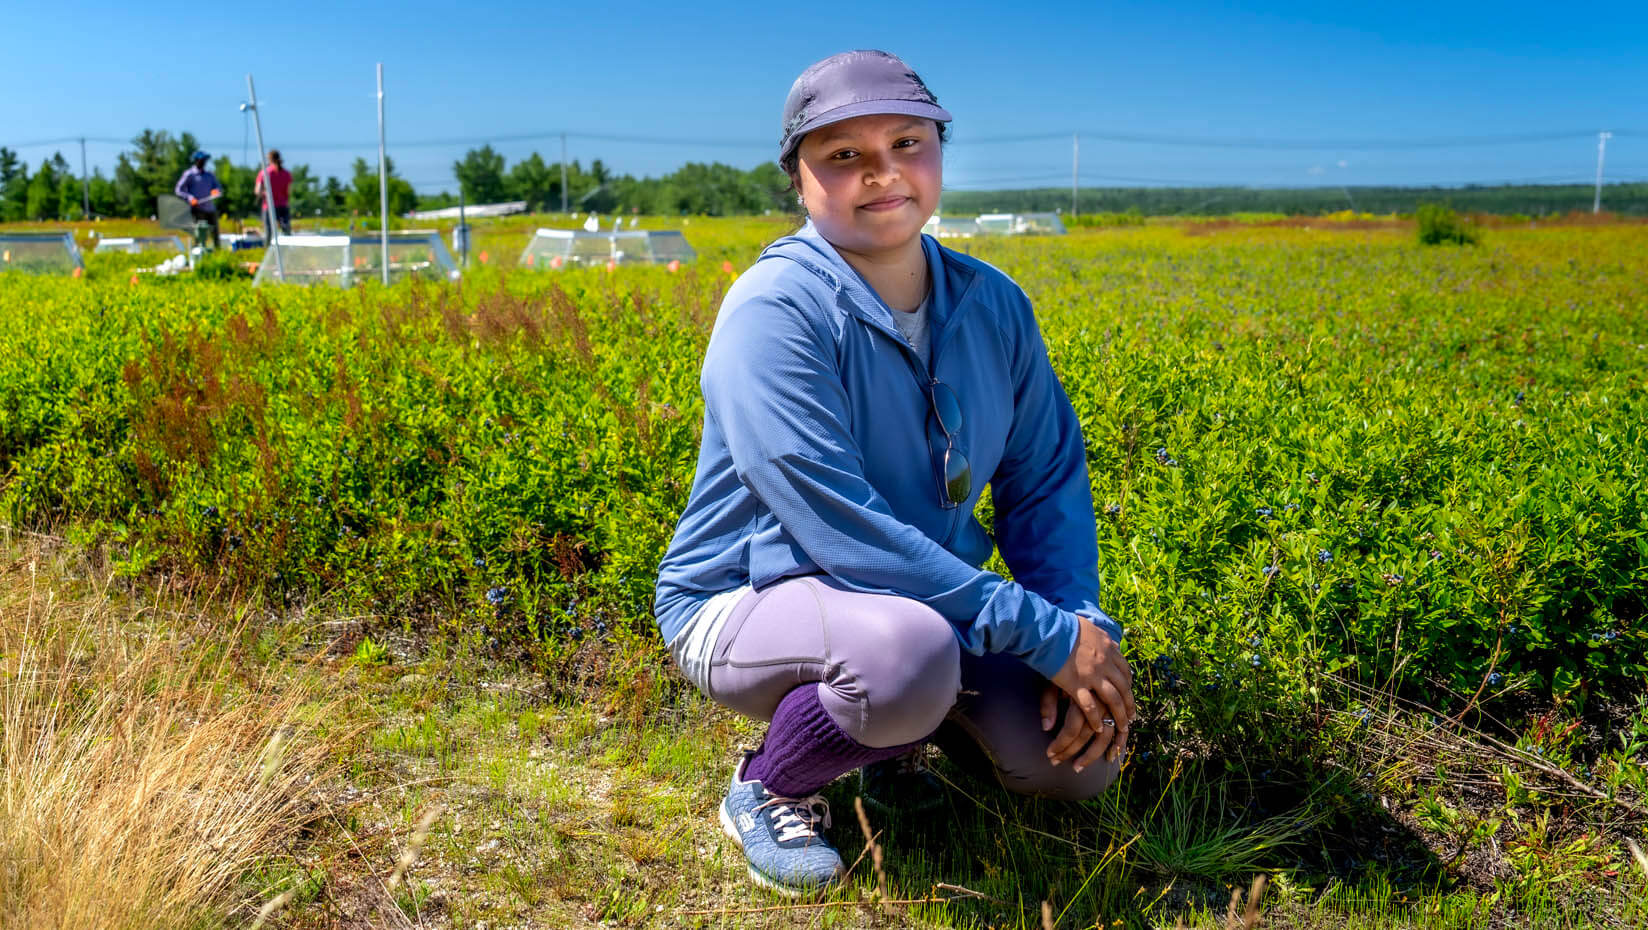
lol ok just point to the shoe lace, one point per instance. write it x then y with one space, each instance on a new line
797 818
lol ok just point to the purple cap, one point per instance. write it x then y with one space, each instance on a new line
862 83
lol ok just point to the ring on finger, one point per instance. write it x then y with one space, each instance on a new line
1109 721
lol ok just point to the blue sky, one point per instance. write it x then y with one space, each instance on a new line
711 79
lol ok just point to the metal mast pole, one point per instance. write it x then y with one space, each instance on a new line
268 188
85 183
563 174
1075 171
463 226
383 182
1602 151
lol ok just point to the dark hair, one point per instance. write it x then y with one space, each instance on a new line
274 156
792 163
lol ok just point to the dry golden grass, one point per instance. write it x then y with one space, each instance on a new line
146 772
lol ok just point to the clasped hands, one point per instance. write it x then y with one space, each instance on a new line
1099 684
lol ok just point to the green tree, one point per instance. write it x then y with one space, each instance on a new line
363 196
336 195
237 199
438 201
602 198
105 200
713 189
306 197
771 188
42 191
596 190
131 190
481 173
14 186
159 160
71 202
537 183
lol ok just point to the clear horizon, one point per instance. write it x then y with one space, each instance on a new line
1292 96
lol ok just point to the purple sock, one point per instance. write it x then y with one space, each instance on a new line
805 749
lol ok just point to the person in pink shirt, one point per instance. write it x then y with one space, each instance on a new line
274 182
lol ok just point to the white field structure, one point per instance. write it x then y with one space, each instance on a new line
560 248
135 244
40 253
345 260
994 224
1021 224
472 211
951 227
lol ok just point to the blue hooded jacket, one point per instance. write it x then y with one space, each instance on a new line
816 454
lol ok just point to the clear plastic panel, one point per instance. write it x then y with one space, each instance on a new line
592 248
39 253
1038 224
307 260
548 248
135 244
670 246
558 248
995 224
951 227
347 260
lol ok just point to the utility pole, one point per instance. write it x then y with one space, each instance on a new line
563 174
1602 150
85 183
460 236
1075 171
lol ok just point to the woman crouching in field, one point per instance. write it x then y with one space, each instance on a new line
862 385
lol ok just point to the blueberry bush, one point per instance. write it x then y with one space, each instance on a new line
1312 453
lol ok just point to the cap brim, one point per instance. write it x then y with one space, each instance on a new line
849 111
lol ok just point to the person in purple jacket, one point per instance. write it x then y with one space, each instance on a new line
861 386
201 188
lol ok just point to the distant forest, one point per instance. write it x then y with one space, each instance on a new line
151 167
156 158
1529 200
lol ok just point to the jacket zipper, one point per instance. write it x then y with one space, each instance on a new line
844 293
923 384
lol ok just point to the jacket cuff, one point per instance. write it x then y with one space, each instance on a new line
1049 655
1105 622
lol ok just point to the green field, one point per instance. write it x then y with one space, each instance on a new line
1372 513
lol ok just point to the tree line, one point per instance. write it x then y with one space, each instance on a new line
695 189
1525 199
151 168
157 158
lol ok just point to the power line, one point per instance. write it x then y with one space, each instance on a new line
43 143
1301 144
447 142
1026 174
1391 144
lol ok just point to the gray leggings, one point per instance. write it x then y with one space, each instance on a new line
890 671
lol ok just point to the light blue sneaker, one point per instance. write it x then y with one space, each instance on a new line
780 836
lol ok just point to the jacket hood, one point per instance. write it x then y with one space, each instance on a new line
953 279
